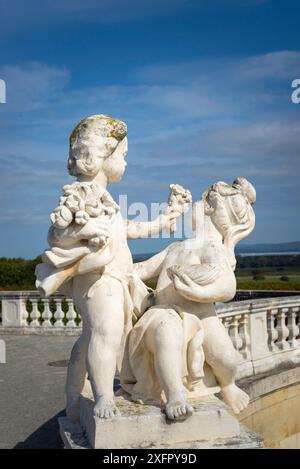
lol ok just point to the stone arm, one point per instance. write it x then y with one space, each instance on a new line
96 260
223 288
151 268
60 264
138 229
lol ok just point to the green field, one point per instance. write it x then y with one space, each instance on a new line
270 282
268 277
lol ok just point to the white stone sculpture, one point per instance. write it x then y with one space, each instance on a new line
89 259
166 348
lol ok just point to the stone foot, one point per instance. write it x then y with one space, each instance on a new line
106 408
178 409
235 398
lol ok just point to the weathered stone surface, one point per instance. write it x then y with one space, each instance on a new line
142 426
275 398
72 434
181 331
89 260
160 343
74 437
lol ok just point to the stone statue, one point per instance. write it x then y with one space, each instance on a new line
89 259
166 348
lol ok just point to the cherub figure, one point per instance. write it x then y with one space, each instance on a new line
164 353
90 261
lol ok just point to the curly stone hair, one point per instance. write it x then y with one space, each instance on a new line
94 138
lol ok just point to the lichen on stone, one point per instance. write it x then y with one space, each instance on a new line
103 125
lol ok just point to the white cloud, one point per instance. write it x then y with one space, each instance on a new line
32 85
194 90
190 123
275 65
270 139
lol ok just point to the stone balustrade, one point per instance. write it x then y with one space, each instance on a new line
28 313
265 332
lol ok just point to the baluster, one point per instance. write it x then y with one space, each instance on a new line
272 331
245 335
35 314
226 323
71 314
234 332
59 314
283 331
25 313
293 327
47 313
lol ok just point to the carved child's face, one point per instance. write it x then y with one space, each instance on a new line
114 166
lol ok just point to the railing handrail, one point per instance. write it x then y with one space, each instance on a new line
283 294
24 293
253 305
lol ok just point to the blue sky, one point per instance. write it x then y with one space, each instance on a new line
204 86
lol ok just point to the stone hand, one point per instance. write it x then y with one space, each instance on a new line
168 219
95 228
221 288
186 287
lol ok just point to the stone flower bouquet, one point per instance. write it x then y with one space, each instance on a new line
80 202
178 201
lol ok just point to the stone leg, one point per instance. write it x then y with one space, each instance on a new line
76 376
164 339
103 317
222 357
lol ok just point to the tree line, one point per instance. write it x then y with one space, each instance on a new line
18 273
274 261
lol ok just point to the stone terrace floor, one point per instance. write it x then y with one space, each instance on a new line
32 390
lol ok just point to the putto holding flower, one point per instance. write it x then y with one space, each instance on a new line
80 202
89 259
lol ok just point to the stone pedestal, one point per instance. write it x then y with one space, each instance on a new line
141 426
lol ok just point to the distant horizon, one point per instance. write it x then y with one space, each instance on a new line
240 249
243 247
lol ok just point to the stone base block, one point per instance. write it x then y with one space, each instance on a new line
74 438
144 426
